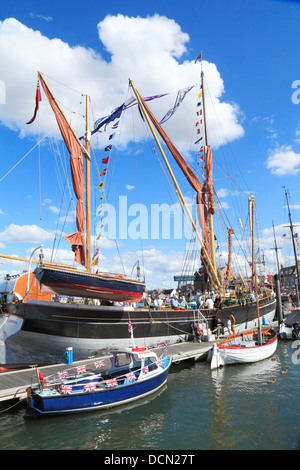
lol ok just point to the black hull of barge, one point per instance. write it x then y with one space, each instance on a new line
84 321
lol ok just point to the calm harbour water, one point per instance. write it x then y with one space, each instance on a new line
232 408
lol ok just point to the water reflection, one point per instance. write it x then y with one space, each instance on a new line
248 397
247 375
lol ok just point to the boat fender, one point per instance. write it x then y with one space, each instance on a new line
69 354
28 393
29 401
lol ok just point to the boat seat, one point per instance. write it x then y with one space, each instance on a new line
247 344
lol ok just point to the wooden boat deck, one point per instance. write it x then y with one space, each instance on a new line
13 385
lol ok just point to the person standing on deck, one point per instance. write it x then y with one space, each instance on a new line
232 319
229 326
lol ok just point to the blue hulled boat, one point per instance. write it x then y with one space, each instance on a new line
77 283
134 373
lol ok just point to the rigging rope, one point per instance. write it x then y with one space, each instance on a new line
38 143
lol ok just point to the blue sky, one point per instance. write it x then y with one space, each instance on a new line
254 46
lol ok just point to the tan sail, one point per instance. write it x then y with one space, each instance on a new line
76 162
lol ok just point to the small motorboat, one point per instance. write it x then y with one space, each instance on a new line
134 373
250 346
290 327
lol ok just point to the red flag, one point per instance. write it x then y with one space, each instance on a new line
198 58
103 172
105 160
39 376
38 98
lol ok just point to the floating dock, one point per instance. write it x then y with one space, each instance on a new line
13 385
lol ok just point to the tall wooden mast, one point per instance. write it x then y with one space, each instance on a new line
254 273
293 237
276 249
251 218
210 216
88 187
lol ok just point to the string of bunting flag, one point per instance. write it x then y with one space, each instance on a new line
102 125
103 122
199 129
297 242
91 386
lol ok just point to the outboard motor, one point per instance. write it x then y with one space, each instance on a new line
296 330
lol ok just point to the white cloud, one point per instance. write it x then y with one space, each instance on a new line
53 209
35 15
222 192
129 187
268 124
159 266
284 161
85 70
25 233
222 205
297 139
60 256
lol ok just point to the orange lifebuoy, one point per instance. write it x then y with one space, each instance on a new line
119 276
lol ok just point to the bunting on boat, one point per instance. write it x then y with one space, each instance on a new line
76 162
209 184
116 113
99 364
180 97
202 211
95 258
200 129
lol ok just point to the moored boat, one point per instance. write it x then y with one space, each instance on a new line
91 285
134 374
290 327
244 348
49 326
